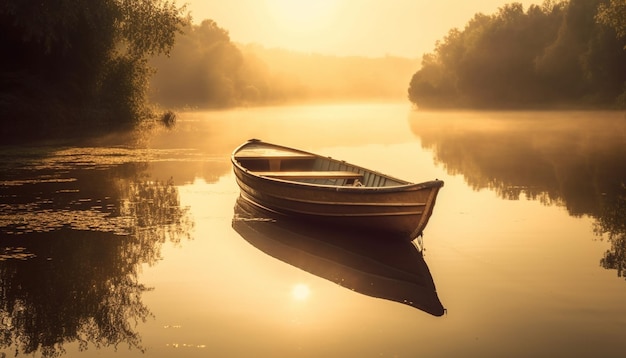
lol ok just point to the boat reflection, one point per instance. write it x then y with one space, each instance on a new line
389 269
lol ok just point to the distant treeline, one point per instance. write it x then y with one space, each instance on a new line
71 67
206 69
563 53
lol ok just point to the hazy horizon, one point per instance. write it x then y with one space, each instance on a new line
404 28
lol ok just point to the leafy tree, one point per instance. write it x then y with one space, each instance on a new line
553 54
204 69
613 15
79 65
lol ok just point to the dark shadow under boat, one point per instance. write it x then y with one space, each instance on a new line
389 269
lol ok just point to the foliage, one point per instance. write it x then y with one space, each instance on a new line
554 54
613 15
203 69
76 65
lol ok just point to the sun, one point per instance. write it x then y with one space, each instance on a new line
300 292
302 15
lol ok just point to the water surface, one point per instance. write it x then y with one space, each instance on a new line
132 250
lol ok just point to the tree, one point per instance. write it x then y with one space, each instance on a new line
613 15
203 69
551 55
77 65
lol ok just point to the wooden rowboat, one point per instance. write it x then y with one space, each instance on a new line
313 187
391 270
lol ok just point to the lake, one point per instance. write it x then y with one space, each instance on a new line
132 246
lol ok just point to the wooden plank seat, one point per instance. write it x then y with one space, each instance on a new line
311 175
269 154
274 157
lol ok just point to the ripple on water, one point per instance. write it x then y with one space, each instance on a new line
17 222
46 189
15 253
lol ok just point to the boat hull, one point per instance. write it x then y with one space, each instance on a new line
401 210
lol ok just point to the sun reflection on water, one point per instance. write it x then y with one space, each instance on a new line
300 292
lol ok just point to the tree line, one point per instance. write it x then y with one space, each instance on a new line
560 54
71 67
206 69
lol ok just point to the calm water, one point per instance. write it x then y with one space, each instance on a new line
138 250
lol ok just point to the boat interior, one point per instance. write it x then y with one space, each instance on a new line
311 169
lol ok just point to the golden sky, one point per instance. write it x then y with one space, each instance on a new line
374 28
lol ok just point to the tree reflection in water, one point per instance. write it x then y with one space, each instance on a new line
571 159
76 280
154 210
612 223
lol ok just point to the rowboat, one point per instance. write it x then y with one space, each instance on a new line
314 187
390 270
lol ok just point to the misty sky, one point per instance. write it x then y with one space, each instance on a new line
407 28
